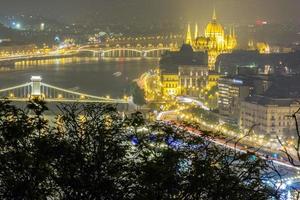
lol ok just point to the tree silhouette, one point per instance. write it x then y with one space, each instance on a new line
138 95
91 152
25 162
173 164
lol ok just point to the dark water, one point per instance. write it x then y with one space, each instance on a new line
89 75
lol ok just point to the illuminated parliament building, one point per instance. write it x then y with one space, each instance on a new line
214 41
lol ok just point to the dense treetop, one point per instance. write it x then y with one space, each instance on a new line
92 152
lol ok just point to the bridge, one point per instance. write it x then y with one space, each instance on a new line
49 93
144 52
117 51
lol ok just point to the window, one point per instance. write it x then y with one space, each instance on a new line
273 118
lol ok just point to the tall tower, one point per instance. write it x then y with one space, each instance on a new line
188 39
36 86
196 31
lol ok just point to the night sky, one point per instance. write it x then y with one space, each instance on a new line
237 11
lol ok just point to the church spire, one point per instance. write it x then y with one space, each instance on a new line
214 15
196 31
188 39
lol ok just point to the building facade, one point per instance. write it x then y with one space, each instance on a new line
192 79
231 92
170 84
269 116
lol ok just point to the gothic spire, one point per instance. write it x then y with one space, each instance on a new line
196 31
188 39
214 15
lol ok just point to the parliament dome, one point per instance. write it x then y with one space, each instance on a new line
214 29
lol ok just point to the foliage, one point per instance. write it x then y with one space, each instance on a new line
138 95
232 127
213 90
210 117
91 152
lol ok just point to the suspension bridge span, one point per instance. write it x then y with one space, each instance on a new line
49 93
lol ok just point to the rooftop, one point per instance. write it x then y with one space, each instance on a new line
268 101
184 57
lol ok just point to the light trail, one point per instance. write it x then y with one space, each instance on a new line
227 145
190 100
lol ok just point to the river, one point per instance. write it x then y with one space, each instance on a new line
91 75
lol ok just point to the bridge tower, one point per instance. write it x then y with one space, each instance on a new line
36 86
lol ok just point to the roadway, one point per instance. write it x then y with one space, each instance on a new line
290 179
243 145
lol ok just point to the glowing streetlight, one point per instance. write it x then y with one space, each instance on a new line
18 26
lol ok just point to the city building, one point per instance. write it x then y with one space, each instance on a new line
214 41
18 50
263 48
269 116
22 50
231 92
189 68
170 84
273 63
192 79
234 89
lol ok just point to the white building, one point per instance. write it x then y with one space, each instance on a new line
192 78
269 116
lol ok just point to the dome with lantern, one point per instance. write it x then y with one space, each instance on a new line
214 29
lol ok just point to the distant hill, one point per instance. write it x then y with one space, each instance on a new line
14 35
